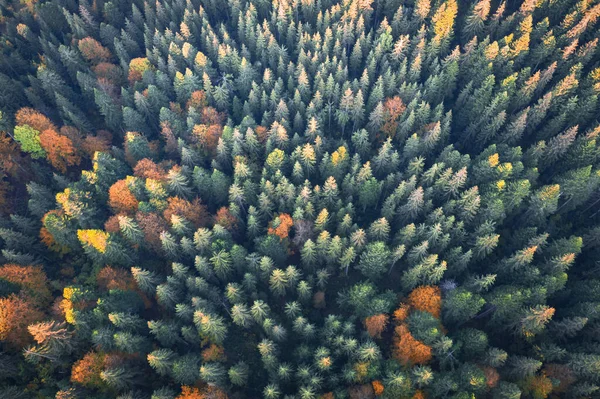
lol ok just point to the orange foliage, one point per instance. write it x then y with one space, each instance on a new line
207 136
213 353
426 298
262 133
86 371
152 225
59 149
407 350
31 117
31 279
209 392
93 51
393 108
148 169
491 376
226 219
328 395
194 212
110 278
376 324
16 313
401 313
190 393
539 386
197 100
284 224
121 199
419 395
377 387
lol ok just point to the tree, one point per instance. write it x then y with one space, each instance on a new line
407 349
374 260
29 138
281 226
16 313
86 371
376 324
194 212
31 279
426 298
393 108
121 199
93 51
461 305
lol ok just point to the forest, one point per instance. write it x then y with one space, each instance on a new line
299 199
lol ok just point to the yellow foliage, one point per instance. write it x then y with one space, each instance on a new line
444 20
493 160
339 156
96 239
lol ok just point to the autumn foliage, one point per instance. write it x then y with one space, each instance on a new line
281 226
562 373
401 313
226 219
207 136
35 119
208 392
137 67
148 169
361 392
98 143
86 371
31 279
393 108
427 299
152 225
213 353
407 350
376 324
377 387
10 157
16 313
59 150
93 51
111 278
194 212
96 239
538 386
121 199
197 100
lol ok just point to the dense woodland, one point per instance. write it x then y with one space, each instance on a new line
308 199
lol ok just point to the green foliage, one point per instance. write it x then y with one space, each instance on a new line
297 175
29 138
